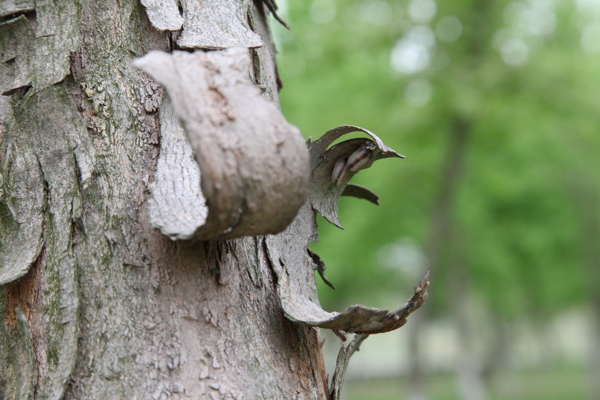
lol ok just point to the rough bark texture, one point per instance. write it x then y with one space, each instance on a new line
96 304
111 308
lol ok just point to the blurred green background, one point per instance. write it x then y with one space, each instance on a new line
496 105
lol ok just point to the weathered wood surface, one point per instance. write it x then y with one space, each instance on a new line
111 308
96 302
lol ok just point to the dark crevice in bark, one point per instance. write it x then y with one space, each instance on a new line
278 79
255 67
79 99
31 15
173 40
77 225
37 325
20 293
73 88
45 188
258 4
212 251
20 91
74 387
254 54
269 262
315 357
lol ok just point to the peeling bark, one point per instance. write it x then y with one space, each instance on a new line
254 165
96 303
35 50
120 311
207 24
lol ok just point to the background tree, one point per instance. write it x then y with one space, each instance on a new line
491 101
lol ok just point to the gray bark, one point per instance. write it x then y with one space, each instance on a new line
111 308
96 303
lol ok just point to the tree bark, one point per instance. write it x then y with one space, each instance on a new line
109 308
97 303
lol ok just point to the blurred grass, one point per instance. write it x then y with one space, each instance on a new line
537 385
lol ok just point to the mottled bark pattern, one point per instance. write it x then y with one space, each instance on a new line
111 308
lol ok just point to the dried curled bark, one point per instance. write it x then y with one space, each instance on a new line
229 126
254 166
254 171
324 192
294 266
398 319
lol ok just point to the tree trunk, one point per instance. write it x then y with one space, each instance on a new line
99 304
586 198
471 383
107 307
442 230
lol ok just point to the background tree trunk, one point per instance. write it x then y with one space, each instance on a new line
438 250
110 308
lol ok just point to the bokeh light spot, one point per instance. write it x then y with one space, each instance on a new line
514 52
448 29
421 11
418 92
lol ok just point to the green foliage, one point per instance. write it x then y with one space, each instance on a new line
531 147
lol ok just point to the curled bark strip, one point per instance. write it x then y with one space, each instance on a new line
320 265
357 319
295 266
361 192
329 177
272 6
398 319
254 166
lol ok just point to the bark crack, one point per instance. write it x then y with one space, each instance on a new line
269 261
